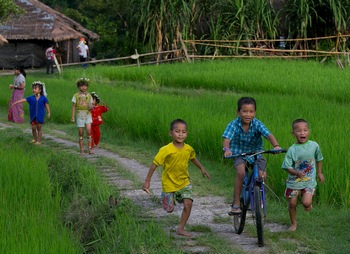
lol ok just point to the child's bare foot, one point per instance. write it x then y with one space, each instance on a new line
91 151
308 209
82 153
183 233
292 228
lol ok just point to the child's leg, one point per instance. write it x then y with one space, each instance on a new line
307 201
35 136
187 203
240 173
88 133
40 133
81 135
292 208
97 135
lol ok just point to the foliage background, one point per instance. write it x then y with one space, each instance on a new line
154 24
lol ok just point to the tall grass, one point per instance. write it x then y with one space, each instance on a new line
55 202
29 215
205 95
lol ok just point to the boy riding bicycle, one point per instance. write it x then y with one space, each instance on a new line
243 134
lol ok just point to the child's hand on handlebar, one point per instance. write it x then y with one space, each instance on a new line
227 153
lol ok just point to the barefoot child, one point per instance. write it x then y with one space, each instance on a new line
38 106
176 184
96 113
82 103
302 161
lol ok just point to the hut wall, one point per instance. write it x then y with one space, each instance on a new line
21 53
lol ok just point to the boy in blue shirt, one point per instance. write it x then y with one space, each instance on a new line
243 134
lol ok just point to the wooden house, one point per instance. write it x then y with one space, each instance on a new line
40 26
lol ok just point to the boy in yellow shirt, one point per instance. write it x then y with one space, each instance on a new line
176 184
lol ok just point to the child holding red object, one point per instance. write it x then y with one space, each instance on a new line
96 113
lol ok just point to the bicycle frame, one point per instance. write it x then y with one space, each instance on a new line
252 179
252 194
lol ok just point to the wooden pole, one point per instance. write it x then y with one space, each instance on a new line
184 47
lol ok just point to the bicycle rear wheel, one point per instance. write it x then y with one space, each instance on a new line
258 210
239 219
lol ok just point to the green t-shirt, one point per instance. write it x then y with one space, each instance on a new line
303 158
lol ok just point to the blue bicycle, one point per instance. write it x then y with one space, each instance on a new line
253 195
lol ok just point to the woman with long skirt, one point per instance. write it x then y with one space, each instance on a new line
16 113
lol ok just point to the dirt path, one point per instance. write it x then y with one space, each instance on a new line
206 210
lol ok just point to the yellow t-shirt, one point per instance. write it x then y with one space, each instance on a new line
174 161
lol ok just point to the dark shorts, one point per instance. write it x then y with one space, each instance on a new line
261 163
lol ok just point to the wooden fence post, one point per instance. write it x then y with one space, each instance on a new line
184 48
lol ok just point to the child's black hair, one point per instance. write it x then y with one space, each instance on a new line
300 120
40 85
95 96
176 121
82 81
245 100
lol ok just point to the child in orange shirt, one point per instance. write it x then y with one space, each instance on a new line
96 113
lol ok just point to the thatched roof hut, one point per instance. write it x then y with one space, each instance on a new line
30 33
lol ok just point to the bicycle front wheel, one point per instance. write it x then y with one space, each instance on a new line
239 219
258 210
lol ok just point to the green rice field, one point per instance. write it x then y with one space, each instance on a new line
144 100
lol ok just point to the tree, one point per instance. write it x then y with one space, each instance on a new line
7 7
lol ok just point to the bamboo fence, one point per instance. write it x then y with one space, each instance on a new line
292 48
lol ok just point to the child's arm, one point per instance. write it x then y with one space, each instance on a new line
73 113
48 110
19 101
320 176
196 162
293 172
147 182
226 147
273 142
105 106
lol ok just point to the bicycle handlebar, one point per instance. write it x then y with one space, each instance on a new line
251 154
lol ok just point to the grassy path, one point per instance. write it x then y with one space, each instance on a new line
209 213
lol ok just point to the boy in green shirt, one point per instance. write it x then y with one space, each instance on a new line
302 161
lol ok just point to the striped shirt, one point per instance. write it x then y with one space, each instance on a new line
250 141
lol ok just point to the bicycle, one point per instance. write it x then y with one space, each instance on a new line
253 194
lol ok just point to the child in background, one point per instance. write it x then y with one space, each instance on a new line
301 162
16 114
38 106
176 184
96 113
243 134
82 104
